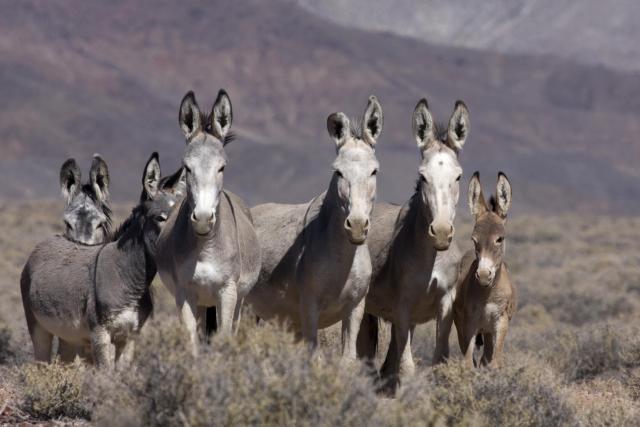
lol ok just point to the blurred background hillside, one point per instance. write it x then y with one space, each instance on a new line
553 89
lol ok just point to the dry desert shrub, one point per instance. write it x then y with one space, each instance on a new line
525 393
6 351
54 390
258 377
591 351
604 403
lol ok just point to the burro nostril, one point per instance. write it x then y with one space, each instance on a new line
211 217
347 224
194 218
432 231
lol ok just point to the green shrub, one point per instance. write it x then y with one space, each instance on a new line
54 390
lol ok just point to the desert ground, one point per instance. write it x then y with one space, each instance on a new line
572 352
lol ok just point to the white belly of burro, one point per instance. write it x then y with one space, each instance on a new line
75 331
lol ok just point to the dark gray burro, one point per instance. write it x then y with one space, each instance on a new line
86 217
414 261
99 294
87 214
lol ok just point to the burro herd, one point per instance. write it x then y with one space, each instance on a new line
340 257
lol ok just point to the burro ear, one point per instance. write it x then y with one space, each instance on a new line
69 179
372 121
189 116
477 203
176 183
151 175
338 127
459 126
221 115
422 124
99 177
503 195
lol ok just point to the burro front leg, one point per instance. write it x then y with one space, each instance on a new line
401 362
350 328
237 315
501 328
101 344
444 321
468 344
225 311
187 311
309 320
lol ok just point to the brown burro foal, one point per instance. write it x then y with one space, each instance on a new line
486 297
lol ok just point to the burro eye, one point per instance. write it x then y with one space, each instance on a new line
423 178
375 172
339 173
221 169
500 239
458 178
161 217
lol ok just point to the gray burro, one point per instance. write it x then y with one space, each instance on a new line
316 265
86 217
208 252
87 213
98 295
414 262
486 299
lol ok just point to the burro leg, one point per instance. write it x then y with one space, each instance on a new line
350 327
101 344
309 320
187 311
227 300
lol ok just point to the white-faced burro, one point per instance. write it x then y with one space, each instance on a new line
316 266
87 214
486 298
98 294
208 252
414 267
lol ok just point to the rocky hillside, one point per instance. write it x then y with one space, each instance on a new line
82 77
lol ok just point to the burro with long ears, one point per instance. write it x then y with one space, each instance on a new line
99 295
414 263
486 298
208 253
87 214
315 262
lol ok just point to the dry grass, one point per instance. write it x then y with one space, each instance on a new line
573 352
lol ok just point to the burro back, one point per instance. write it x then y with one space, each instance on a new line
316 265
208 253
98 295
87 213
